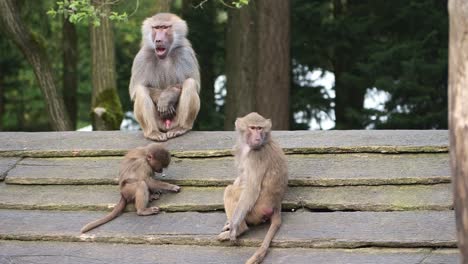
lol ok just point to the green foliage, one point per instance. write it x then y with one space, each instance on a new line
82 11
23 107
235 4
397 46
209 47
240 3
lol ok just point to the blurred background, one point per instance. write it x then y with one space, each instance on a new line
306 64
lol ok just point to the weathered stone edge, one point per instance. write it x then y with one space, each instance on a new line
214 182
287 206
369 250
227 152
9 168
207 240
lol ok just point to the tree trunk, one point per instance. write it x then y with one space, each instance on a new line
106 112
241 63
70 69
274 63
458 113
2 101
258 62
35 54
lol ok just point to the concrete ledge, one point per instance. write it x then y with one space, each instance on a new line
78 253
304 170
347 198
209 144
6 164
300 229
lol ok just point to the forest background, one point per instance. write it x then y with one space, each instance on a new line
307 64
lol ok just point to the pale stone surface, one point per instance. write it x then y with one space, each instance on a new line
218 143
299 229
97 253
363 198
313 169
6 164
367 169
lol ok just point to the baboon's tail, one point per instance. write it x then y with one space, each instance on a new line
115 212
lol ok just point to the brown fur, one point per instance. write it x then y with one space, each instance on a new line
257 192
152 75
136 182
170 97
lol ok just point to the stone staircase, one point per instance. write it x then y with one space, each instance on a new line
355 197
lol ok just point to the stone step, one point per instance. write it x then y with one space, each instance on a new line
304 170
77 253
412 229
217 143
346 198
6 164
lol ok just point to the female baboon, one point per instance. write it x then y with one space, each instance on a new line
256 194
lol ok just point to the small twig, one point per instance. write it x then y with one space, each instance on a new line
200 4
224 3
136 8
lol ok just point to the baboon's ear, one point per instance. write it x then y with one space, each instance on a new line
149 157
267 126
240 124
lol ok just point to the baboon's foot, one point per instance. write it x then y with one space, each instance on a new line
176 132
224 236
157 136
148 211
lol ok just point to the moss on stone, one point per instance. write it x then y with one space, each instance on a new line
113 115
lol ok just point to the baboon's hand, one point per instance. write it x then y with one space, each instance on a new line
167 104
175 188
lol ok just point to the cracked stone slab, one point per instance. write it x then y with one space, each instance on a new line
6 164
96 253
219 143
345 198
411 229
304 170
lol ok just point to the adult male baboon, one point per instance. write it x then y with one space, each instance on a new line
136 182
165 61
257 193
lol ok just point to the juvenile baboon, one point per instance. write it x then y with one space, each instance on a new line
256 195
165 62
136 182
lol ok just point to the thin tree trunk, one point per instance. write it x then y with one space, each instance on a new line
241 63
35 54
2 101
458 117
274 63
106 109
70 69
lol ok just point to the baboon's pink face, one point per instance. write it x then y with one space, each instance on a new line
162 37
255 137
